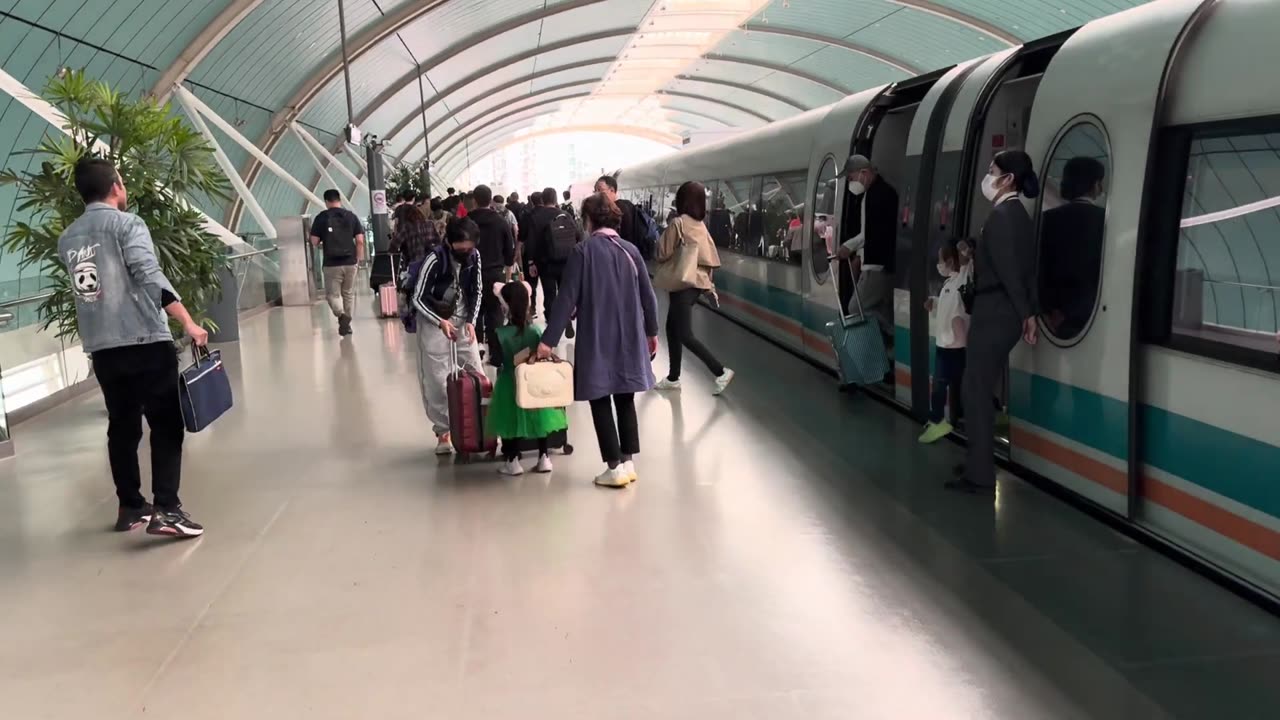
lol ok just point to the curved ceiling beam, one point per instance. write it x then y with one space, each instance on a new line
485 118
774 67
483 145
204 44
749 88
366 41
455 111
970 21
887 59
412 77
779 68
549 89
460 151
668 139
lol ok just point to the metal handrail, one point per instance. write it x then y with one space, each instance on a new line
253 253
15 302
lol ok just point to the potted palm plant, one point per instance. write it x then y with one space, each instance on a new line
168 167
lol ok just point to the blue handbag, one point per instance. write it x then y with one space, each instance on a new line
204 390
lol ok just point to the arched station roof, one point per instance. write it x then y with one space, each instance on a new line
470 76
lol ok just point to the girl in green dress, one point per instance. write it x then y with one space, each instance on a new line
516 342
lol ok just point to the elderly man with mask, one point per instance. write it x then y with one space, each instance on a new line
871 226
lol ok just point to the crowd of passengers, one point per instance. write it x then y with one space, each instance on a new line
476 261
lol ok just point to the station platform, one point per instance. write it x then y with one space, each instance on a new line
787 553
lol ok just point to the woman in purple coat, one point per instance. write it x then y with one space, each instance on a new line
606 282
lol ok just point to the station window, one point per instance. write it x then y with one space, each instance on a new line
1227 277
1072 229
824 205
782 200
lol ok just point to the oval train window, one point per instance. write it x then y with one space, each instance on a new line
824 233
1072 229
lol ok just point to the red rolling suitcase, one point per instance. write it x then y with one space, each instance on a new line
469 392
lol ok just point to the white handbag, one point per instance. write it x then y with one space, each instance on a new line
544 384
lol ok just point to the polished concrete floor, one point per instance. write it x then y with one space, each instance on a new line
787 554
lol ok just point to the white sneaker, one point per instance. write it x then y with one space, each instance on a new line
444 445
613 478
722 382
665 384
512 468
629 467
544 464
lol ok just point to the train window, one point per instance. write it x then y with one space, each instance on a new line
824 206
1227 280
1072 230
782 199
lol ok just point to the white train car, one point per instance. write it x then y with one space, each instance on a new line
1154 402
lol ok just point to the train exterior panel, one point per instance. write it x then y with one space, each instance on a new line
1157 407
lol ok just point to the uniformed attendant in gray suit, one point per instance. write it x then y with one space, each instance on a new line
1003 308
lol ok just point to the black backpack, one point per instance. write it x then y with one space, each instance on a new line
339 239
564 237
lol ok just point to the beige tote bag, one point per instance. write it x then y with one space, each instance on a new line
680 272
544 384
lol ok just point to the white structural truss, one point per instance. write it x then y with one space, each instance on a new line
312 144
324 173
52 115
195 106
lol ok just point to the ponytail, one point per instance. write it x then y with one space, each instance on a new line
1018 164
516 297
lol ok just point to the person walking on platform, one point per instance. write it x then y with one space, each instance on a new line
447 296
606 282
524 250
123 306
554 236
1003 310
497 248
339 232
874 245
517 341
414 235
688 234
567 205
500 207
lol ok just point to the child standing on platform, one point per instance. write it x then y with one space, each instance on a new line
956 268
516 341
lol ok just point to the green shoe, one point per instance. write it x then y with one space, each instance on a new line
933 432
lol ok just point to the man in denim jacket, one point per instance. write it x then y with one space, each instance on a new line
123 302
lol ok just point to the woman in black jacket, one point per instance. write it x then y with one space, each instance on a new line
1003 309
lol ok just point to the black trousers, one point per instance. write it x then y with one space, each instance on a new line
994 330
946 376
490 311
620 440
845 286
511 447
142 381
533 284
680 334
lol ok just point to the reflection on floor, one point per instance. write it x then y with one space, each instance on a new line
787 554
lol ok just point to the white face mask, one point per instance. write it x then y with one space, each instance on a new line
857 188
989 189
945 270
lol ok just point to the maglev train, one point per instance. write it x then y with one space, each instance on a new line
1161 404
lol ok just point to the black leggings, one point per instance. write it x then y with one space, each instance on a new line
621 441
511 448
680 334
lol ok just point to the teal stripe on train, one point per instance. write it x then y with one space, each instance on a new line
810 316
1218 460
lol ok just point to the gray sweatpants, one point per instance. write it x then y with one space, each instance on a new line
340 288
435 363
875 290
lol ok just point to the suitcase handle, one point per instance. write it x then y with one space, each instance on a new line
862 314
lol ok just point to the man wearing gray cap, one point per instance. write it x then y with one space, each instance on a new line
872 228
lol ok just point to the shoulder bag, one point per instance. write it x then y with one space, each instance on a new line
680 271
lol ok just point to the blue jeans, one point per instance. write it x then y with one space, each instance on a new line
948 373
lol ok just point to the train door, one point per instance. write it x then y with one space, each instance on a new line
1090 138
921 220
991 114
883 136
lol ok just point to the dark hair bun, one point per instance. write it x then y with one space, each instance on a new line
1018 163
